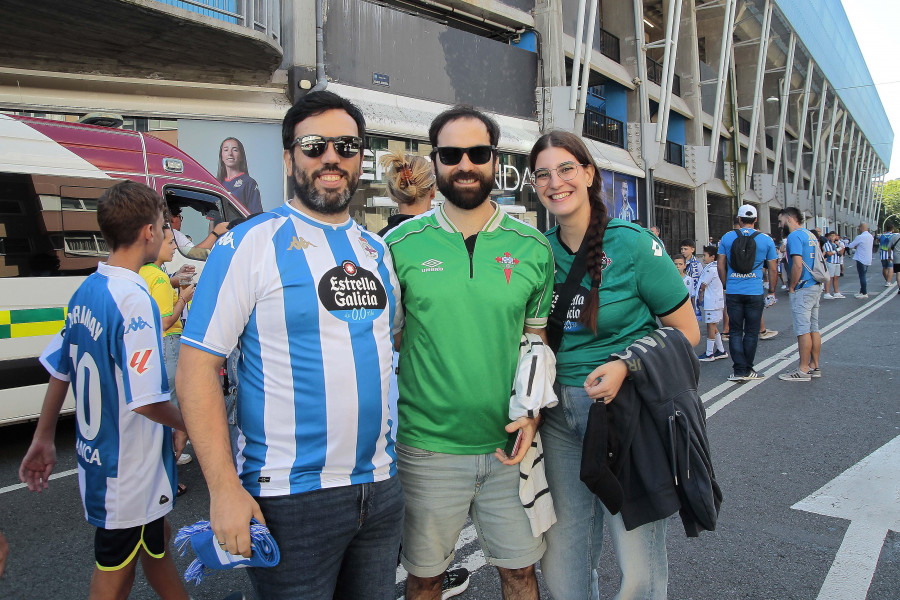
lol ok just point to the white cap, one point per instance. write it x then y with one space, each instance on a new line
747 211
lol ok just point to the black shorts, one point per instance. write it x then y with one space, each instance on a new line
896 267
115 548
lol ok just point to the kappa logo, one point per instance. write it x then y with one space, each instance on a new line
508 263
298 243
227 239
138 362
138 324
432 264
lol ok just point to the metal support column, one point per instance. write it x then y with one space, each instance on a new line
857 161
852 156
586 70
817 141
673 29
757 90
785 92
722 76
798 157
824 184
638 7
576 62
837 167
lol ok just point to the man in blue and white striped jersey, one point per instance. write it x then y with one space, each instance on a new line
311 299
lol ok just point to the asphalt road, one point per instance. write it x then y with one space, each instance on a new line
774 444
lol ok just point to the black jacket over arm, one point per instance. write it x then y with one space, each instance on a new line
646 453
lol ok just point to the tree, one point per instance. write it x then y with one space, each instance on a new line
891 202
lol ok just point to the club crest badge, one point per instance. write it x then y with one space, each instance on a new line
370 251
508 263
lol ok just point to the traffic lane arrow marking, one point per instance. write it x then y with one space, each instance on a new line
868 495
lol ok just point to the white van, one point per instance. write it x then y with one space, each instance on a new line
51 174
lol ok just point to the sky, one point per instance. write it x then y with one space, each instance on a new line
875 24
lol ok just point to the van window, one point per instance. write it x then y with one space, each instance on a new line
199 213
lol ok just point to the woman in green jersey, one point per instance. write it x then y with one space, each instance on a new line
629 282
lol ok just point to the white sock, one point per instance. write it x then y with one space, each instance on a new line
719 342
709 345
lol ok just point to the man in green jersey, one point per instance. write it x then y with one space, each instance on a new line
473 280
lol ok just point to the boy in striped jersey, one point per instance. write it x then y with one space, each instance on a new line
310 299
833 263
111 351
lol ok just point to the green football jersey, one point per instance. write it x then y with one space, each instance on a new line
639 283
465 314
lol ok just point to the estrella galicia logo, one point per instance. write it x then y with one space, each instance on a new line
352 293
138 324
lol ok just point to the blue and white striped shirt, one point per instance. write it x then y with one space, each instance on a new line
313 306
834 258
111 352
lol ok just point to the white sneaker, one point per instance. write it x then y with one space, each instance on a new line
184 459
827 296
784 287
888 284
768 334
838 295
861 296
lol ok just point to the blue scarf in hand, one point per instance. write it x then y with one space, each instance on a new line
211 556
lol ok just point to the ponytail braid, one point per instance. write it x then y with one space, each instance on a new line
593 237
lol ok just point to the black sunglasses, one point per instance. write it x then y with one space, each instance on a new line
314 146
451 155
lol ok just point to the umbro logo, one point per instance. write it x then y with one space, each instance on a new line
138 324
432 264
163 499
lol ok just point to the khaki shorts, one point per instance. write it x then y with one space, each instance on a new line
441 490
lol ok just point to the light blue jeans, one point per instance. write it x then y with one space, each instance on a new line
574 543
171 346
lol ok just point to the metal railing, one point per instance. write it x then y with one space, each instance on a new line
674 153
654 74
598 126
609 45
260 15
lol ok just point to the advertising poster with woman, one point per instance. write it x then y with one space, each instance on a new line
245 157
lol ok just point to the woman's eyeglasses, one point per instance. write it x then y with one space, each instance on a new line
314 146
566 171
451 155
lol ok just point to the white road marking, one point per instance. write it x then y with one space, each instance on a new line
867 494
790 354
19 486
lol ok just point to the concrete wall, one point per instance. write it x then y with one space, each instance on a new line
427 60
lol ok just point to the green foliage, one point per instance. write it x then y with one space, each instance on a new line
891 202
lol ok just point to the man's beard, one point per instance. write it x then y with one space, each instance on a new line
326 203
785 230
469 198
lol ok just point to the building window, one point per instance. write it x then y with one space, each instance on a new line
674 210
719 214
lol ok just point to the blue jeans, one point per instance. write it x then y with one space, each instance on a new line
862 270
744 318
575 541
171 346
334 543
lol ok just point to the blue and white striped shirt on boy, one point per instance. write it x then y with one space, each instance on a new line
313 306
834 258
110 351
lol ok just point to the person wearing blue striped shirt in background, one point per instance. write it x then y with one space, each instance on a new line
833 253
312 300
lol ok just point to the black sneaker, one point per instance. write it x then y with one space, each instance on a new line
455 583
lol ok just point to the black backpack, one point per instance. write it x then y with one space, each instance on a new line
743 253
